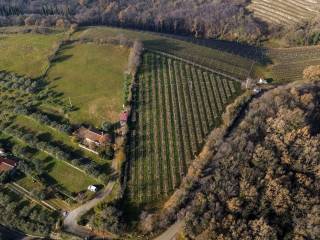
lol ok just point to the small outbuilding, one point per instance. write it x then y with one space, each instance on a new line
92 188
2 152
124 118
262 81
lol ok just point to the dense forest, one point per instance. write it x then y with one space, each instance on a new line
261 181
206 18
270 188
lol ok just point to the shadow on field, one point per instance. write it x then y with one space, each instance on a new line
61 58
161 44
258 54
48 180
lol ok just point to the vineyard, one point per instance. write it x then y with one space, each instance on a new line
176 105
289 63
285 12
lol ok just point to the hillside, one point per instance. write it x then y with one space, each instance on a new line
176 104
225 19
289 63
261 180
288 12
170 117
270 189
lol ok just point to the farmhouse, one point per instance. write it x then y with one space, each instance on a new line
6 164
92 140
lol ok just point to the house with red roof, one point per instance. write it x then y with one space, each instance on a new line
92 140
7 164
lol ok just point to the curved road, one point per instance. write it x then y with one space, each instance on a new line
70 223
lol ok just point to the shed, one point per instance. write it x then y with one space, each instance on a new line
124 117
2 152
262 81
92 188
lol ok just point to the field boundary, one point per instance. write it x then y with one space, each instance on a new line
195 64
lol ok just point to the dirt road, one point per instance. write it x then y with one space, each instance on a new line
171 232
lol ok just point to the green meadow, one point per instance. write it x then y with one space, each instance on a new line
27 54
91 78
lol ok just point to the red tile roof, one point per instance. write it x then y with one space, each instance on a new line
6 164
124 116
93 136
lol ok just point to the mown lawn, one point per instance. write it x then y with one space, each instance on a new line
68 177
92 77
58 172
27 54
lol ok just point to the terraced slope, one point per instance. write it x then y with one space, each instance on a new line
176 105
289 63
285 12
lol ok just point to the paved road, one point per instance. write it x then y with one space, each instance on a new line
70 223
171 232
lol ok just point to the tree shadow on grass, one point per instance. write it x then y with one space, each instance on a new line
48 180
46 137
61 58
162 44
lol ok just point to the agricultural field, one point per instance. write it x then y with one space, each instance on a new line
91 78
43 143
289 63
210 56
27 54
287 12
176 105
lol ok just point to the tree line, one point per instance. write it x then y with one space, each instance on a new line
210 19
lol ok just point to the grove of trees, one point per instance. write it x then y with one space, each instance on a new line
221 18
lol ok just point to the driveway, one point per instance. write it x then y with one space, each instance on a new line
70 223
171 232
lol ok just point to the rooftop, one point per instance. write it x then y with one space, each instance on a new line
6 164
86 133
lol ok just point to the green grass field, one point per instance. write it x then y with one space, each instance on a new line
209 56
68 177
92 77
26 54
